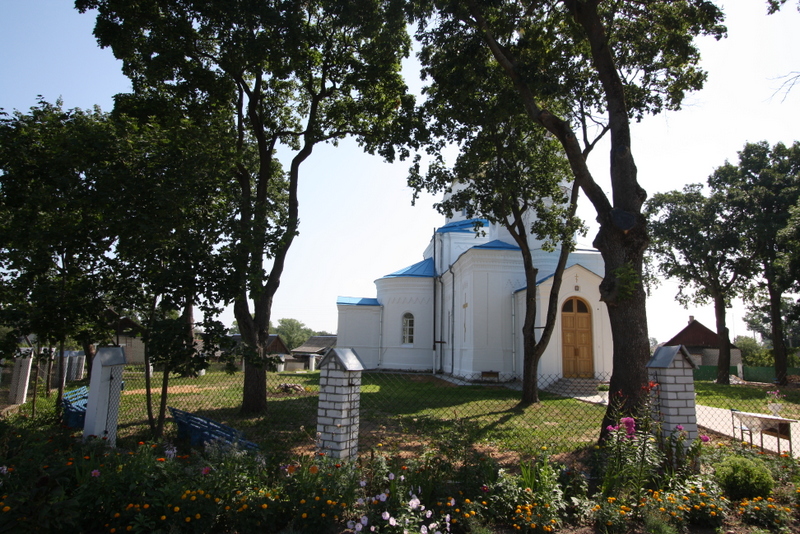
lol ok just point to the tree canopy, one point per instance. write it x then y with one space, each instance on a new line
507 172
695 242
292 75
604 64
761 190
54 237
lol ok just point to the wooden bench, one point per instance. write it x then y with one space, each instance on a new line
198 430
74 404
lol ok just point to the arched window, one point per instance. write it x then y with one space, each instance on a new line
408 329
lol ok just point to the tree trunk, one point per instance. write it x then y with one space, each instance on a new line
254 394
162 409
89 352
724 361
624 295
147 378
530 360
61 372
778 343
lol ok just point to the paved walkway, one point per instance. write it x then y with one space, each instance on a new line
719 420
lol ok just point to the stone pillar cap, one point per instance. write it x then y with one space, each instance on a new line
347 358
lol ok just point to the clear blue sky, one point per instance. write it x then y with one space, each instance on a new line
357 222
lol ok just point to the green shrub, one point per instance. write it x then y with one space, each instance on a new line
741 478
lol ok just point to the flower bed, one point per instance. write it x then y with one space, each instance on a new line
52 482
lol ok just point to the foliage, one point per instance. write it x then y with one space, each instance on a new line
742 478
753 352
680 457
291 76
758 320
156 487
544 504
293 332
54 234
631 458
760 191
594 67
765 512
508 172
694 242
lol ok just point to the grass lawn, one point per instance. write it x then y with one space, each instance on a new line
403 411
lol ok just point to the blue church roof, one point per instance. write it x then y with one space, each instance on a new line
465 226
423 269
357 301
497 245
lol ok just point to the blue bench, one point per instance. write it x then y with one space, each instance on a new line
74 404
198 430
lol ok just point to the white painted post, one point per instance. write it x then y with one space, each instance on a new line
80 364
673 369
105 392
338 412
20 378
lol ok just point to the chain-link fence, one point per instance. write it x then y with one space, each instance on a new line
406 411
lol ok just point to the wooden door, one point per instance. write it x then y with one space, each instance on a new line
576 336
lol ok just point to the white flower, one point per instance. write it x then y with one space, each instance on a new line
423 529
360 502
363 483
382 497
351 524
392 521
413 503
359 526
385 516
364 520
391 476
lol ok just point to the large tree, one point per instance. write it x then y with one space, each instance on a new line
53 234
507 172
607 63
694 241
294 74
171 208
761 190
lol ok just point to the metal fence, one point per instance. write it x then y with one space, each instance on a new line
407 411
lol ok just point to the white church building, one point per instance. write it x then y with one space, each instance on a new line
460 310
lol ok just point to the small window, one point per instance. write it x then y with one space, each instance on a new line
582 307
408 329
567 307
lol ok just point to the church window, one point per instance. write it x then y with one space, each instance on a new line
408 329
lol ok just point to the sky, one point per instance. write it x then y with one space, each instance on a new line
357 222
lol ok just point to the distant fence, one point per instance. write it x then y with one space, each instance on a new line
750 374
406 411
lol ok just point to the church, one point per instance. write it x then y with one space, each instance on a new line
460 310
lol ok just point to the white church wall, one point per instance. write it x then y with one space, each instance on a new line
401 295
359 328
496 274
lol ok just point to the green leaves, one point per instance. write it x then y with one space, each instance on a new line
54 235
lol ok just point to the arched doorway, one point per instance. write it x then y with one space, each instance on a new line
576 337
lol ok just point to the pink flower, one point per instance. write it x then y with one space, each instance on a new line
704 438
96 473
205 470
679 428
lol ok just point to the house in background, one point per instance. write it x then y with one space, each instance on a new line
275 345
702 343
460 310
311 352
